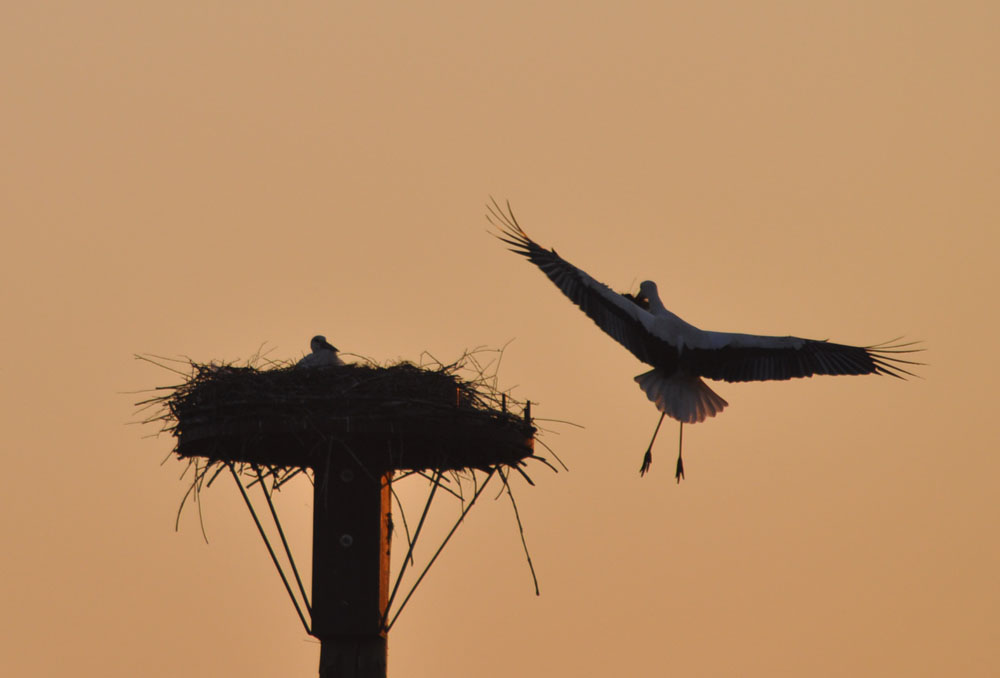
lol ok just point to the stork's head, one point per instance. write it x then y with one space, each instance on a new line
649 296
647 291
319 343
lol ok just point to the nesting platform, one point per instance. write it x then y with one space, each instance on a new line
395 418
355 427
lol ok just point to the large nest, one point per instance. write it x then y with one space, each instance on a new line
394 418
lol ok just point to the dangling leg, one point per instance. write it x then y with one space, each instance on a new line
648 459
679 474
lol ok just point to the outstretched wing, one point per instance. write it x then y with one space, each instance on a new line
622 319
741 357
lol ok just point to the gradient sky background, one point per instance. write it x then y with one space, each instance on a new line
200 178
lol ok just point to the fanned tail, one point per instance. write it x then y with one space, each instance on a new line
683 397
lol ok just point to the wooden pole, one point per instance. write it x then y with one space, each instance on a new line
350 582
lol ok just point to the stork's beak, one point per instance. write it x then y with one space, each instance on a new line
639 299
327 344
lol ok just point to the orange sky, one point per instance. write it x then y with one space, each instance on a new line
201 178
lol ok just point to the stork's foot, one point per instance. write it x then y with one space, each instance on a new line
646 461
679 474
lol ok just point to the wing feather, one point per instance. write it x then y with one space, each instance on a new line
623 320
792 358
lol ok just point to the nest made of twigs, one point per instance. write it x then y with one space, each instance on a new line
394 418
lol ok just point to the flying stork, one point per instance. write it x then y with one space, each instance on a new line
324 354
681 354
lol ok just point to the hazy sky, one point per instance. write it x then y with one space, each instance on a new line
201 178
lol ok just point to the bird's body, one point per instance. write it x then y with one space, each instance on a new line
323 354
681 354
